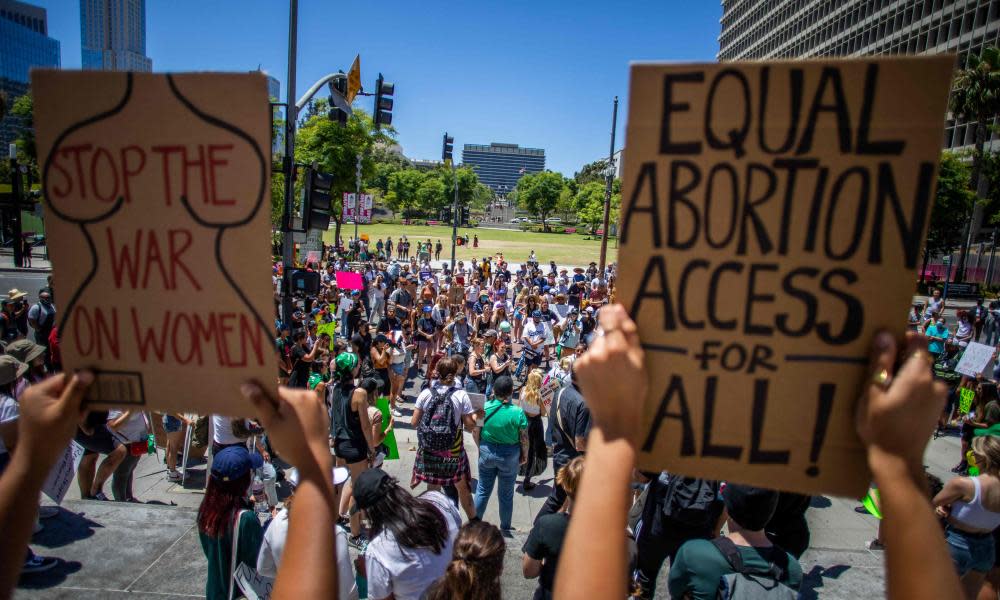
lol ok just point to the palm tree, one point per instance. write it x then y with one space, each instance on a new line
975 96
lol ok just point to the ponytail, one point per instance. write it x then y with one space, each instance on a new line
476 565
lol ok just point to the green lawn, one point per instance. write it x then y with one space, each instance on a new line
564 248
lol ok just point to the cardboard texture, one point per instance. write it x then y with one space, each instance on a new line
772 221
157 214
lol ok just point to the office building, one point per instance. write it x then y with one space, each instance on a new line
24 44
499 166
754 29
273 88
113 35
425 164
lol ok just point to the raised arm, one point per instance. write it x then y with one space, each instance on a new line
895 422
613 380
49 412
298 425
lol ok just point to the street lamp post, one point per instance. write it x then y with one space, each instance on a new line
291 114
607 189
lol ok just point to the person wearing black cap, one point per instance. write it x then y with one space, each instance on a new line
224 513
702 564
412 537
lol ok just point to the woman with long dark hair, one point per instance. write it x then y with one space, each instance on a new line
351 431
411 537
476 565
226 512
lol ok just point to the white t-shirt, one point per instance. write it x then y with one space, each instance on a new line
132 430
472 293
407 573
222 431
459 398
273 545
9 411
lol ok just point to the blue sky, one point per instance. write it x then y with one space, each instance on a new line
537 73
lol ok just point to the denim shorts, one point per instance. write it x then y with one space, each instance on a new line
398 368
171 424
970 551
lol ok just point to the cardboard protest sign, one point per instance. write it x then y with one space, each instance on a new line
773 216
975 359
157 203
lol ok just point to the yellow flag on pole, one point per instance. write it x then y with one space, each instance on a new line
354 79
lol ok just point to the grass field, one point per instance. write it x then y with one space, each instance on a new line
564 248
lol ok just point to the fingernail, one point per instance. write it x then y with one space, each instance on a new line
85 377
250 389
883 341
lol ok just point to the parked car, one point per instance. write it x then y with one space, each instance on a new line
553 220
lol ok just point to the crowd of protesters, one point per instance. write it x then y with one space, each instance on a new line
533 361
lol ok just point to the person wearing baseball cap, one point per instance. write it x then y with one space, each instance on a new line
224 504
700 564
412 536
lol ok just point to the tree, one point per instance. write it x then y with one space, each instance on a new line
403 186
952 204
595 171
590 203
334 149
539 193
975 96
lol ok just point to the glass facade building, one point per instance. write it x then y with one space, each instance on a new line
113 35
499 166
24 44
755 29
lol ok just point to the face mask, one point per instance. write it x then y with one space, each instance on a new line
45 301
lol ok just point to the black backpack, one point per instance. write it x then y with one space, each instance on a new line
437 430
692 501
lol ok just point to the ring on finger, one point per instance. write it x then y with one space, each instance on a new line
881 378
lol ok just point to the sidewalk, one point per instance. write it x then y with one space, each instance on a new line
38 263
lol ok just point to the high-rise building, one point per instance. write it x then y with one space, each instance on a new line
754 29
113 35
273 88
499 166
24 43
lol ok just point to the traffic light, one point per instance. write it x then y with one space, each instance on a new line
465 216
447 147
340 84
316 202
383 101
338 116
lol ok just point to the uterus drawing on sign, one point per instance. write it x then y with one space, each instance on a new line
153 184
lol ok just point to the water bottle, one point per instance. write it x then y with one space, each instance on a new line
259 498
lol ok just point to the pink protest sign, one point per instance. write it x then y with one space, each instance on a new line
349 281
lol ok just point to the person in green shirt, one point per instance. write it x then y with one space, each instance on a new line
226 511
503 448
700 565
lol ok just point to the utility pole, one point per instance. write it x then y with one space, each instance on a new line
17 194
447 149
357 198
291 115
607 189
988 279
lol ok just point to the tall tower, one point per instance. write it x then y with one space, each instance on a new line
113 35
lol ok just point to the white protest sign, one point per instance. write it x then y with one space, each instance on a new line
253 585
63 472
977 356
478 401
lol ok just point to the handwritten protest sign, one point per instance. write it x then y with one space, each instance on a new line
349 280
975 359
773 217
157 202
63 473
253 585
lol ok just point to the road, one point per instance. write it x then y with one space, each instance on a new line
26 281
